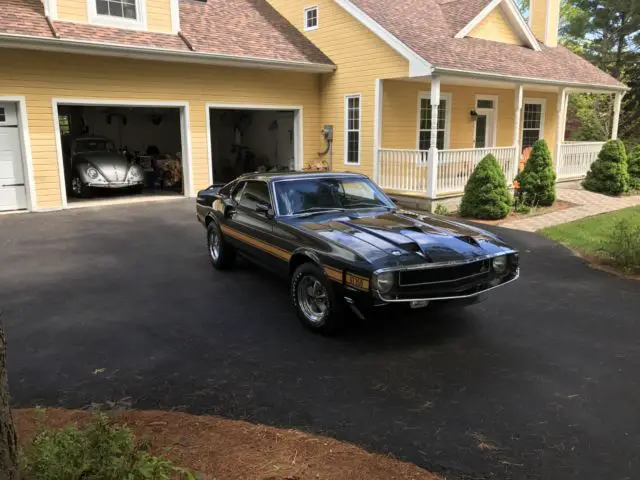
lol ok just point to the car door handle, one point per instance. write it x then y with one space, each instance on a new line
14 185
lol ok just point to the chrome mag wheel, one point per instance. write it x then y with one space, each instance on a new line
313 299
214 244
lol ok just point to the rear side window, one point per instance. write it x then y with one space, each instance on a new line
237 191
254 194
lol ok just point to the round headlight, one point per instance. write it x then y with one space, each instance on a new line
92 173
133 173
500 264
383 282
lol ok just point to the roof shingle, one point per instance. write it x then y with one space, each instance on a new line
428 27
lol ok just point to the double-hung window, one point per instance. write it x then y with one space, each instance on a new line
117 13
352 119
311 18
533 122
117 8
424 121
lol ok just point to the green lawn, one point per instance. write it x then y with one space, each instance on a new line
593 236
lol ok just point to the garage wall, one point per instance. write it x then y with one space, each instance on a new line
41 76
139 132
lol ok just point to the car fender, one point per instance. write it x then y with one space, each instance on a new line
303 252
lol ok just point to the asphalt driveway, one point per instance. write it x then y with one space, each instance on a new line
541 381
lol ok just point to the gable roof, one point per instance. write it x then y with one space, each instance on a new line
248 31
429 27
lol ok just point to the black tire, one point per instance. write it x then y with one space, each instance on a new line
334 317
226 255
78 188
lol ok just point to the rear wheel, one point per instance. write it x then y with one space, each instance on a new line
315 300
221 254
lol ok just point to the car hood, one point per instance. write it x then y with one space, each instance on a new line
404 238
112 166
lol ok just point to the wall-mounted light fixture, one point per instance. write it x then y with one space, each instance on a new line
473 115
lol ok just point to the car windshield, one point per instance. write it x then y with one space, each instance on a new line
311 195
94 145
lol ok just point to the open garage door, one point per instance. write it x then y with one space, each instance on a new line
119 152
247 140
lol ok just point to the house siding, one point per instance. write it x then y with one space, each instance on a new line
73 11
400 114
41 77
362 57
495 27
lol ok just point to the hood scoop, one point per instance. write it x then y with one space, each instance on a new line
468 239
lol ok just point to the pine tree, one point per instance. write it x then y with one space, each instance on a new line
609 174
538 179
486 195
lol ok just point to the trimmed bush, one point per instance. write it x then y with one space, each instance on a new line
634 169
486 195
609 172
538 178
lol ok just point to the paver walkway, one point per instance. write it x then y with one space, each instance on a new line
588 204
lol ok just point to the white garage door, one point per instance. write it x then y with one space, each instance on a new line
13 194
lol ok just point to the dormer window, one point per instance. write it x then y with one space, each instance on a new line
311 18
117 13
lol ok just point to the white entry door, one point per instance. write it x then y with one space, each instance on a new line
484 135
13 193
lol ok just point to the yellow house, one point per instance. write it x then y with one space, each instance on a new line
410 92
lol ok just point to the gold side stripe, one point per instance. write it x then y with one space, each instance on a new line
333 274
267 247
357 281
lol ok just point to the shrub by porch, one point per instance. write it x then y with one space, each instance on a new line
486 195
609 173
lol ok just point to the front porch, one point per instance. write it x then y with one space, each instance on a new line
472 118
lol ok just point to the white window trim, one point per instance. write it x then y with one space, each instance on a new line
304 18
105 20
539 101
447 121
494 99
346 128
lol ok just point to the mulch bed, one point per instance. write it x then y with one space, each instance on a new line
218 448
513 216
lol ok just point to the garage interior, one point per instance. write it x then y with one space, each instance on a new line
146 136
245 140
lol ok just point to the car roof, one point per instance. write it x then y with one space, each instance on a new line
270 176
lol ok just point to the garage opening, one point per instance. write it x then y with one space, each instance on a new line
253 140
120 152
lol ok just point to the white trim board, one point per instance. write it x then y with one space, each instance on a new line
346 129
447 121
418 66
185 135
25 145
514 17
298 128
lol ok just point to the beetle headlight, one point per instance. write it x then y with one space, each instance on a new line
500 264
134 174
92 173
383 282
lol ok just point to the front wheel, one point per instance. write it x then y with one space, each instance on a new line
315 301
221 254
78 188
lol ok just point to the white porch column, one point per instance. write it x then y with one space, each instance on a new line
432 159
561 115
519 94
377 128
617 103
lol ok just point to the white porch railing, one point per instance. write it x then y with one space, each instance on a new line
456 166
403 170
575 158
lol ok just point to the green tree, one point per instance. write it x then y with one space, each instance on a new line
609 172
538 179
634 169
486 195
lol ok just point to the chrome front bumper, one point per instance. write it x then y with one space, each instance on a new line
115 184
384 299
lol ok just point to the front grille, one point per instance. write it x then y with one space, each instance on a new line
444 275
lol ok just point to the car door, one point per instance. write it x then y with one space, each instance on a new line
253 229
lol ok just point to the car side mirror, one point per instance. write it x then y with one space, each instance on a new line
265 209
394 200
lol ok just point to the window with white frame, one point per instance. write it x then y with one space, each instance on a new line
311 18
352 129
532 123
424 122
126 11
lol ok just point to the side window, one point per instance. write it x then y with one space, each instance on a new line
237 192
226 190
254 194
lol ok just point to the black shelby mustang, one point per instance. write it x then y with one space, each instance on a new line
344 244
